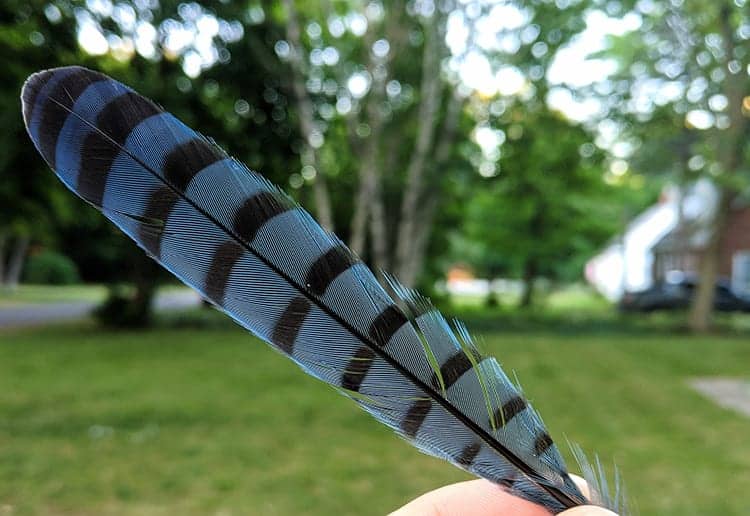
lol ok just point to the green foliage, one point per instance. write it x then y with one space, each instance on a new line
34 203
545 213
30 202
548 208
692 60
50 268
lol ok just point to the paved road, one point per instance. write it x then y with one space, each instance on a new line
37 314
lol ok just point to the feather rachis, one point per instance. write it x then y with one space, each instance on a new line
229 233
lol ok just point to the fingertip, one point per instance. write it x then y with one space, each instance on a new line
587 510
581 484
470 498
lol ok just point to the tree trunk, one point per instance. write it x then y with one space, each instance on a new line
322 200
426 216
731 154
368 193
306 117
529 276
358 231
701 310
428 111
370 204
379 233
3 239
16 261
412 268
142 303
145 280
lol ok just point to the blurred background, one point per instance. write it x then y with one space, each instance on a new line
570 177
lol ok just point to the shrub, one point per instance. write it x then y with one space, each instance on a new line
50 268
123 308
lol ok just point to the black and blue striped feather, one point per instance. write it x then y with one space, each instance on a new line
252 251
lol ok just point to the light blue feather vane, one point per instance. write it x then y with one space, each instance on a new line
248 248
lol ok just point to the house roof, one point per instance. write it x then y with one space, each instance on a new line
689 235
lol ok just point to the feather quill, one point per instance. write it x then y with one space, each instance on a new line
248 248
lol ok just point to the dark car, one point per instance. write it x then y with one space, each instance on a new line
676 292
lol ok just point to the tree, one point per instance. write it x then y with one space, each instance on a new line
396 121
305 115
29 200
193 75
548 205
691 69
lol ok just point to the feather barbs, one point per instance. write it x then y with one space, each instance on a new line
252 251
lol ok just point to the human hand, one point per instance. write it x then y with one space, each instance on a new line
483 498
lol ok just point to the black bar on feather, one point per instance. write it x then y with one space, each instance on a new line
454 368
117 120
223 261
257 210
357 368
30 92
415 417
509 410
187 159
328 267
160 204
289 324
180 166
54 113
542 443
381 330
386 324
468 454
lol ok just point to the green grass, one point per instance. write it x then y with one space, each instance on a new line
25 294
181 421
576 296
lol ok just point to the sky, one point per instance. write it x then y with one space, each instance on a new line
572 67
470 34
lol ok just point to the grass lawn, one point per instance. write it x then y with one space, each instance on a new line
181 421
25 294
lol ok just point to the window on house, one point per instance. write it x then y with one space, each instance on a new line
741 272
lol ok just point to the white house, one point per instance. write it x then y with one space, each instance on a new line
626 265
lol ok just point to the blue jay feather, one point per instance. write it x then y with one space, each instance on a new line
252 251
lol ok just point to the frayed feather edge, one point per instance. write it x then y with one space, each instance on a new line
596 478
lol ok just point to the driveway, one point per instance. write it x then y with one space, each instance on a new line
39 314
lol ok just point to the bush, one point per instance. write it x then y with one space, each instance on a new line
50 268
125 307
